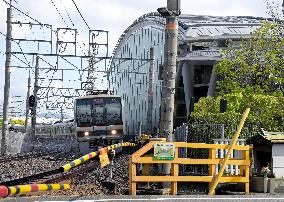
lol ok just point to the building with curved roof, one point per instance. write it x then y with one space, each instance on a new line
200 40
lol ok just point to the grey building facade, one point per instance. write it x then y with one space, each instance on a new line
200 40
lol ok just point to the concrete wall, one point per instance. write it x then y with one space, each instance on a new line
278 160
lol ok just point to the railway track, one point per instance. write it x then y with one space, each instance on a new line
89 178
82 178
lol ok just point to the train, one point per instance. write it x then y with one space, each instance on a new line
98 121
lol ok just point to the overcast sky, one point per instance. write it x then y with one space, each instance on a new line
112 15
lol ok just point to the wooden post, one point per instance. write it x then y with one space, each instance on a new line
132 173
212 168
247 172
174 172
230 150
243 168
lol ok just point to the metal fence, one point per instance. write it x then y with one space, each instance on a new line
208 133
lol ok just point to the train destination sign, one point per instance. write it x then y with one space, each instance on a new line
164 151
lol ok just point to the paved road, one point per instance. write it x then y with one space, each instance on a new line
191 198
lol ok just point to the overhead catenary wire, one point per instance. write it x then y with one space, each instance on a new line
61 16
81 15
22 12
26 14
28 63
59 12
67 13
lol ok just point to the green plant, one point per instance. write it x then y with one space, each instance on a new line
250 76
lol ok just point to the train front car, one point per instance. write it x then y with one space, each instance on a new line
98 121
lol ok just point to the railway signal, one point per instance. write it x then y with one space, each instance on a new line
31 100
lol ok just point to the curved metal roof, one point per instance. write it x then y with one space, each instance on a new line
196 27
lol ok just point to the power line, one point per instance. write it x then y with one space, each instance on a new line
28 63
59 12
67 13
44 24
22 12
66 23
81 15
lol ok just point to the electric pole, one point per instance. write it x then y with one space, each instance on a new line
150 91
5 126
36 87
27 103
171 14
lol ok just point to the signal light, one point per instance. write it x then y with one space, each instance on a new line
31 101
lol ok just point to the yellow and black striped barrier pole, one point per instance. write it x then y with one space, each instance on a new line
24 189
91 155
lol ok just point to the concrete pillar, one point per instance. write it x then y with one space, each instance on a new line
188 82
179 72
212 83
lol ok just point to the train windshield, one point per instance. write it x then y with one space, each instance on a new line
98 112
113 111
84 113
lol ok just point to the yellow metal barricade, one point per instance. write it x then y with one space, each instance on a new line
212 161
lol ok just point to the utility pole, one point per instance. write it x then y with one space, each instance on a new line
5 127
171 14
27 103
36 87
150 91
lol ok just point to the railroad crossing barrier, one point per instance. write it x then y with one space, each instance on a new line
68 166
24 189
91 155
169 152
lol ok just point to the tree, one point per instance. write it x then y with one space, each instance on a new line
257 66
250 76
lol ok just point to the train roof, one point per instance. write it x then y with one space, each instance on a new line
97 96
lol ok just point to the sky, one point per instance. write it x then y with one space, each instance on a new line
112 15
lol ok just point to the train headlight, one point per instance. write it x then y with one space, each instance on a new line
86 133
113 132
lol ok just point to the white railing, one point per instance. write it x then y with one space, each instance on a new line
221 153
205 53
